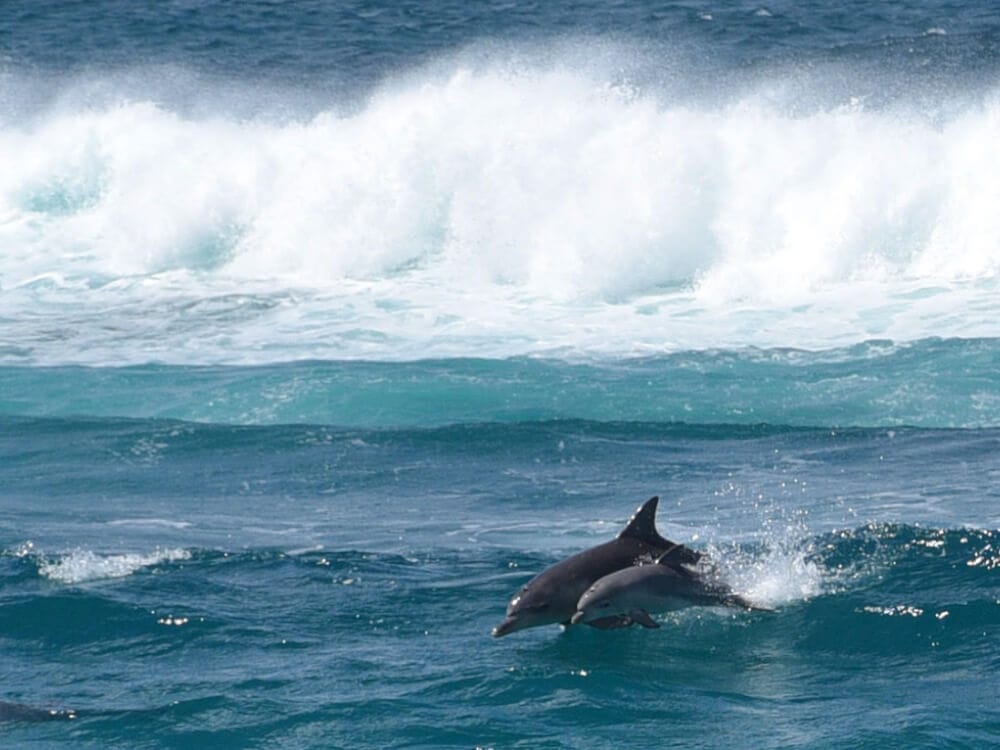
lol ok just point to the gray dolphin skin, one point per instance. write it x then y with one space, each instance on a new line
552 596
19 712
632 594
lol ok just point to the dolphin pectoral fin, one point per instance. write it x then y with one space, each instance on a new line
610 623
642 617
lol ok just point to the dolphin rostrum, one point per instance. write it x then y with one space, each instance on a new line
632 594
552 595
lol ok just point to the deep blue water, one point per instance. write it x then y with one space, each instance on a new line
325 326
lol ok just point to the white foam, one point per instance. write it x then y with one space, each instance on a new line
780 577
151 522
498 210
782 571
84 565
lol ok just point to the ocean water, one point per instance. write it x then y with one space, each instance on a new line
326 326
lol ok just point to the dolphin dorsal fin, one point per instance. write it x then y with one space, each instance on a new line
642 524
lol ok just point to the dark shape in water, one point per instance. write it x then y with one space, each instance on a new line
20 712
551 596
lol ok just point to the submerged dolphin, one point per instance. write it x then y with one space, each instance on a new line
632 594
552 595
19 712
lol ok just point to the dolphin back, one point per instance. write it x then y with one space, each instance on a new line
20 712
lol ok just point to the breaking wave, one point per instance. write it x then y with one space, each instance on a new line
499 210
82 566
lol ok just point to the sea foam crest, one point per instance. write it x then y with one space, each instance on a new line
496 211
554 181
81 566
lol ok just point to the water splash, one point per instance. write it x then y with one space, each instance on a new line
83 566
779 573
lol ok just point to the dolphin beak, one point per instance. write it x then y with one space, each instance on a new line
508 625
577 618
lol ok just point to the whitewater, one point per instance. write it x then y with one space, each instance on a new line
480 207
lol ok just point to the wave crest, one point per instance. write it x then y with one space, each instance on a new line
83 566
556 181
510 204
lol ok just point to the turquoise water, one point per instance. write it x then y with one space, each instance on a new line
929 383
325 327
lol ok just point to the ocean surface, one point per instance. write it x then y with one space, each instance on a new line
326 326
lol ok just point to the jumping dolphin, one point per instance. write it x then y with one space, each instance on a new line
632 594
552 595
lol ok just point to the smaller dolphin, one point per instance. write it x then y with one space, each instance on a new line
552 596
632 594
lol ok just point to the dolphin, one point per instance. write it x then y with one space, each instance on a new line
19 712
632 594
552 596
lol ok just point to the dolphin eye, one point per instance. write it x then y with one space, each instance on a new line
605 604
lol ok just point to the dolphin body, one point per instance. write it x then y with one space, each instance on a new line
632 594
19 712
552 596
